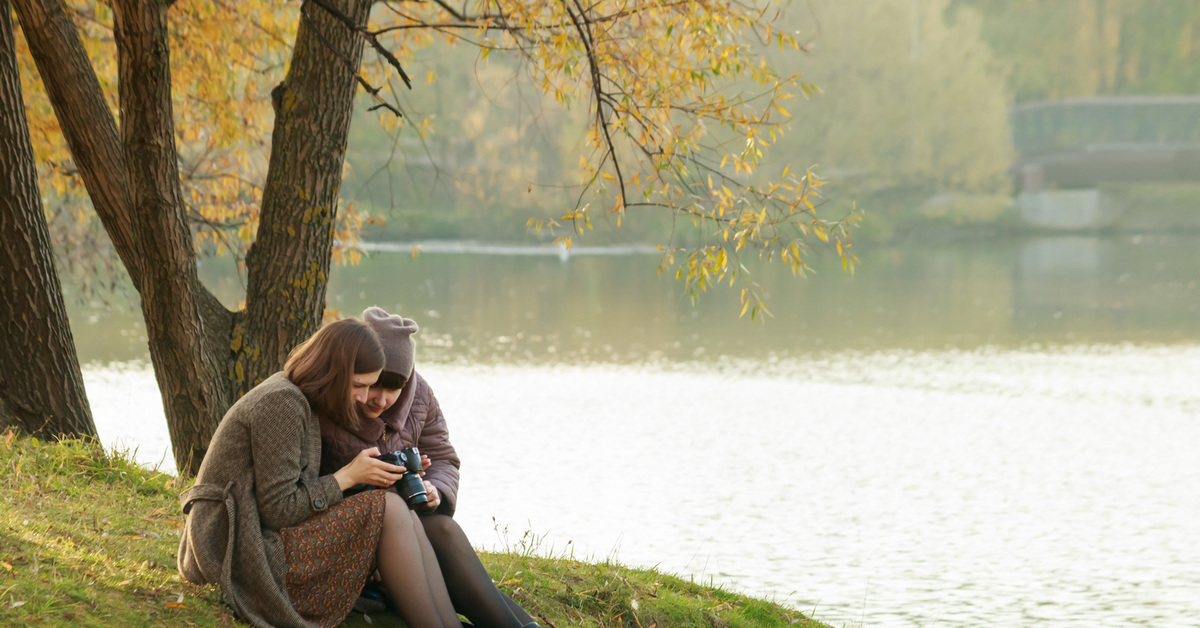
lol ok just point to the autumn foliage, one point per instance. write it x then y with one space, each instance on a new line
200 125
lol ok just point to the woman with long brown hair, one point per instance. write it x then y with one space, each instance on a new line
280 540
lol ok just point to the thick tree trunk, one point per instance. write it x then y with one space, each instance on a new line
41 387
188 377
288 265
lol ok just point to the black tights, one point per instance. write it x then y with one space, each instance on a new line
410 571
471 589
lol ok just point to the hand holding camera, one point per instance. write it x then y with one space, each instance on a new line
409 486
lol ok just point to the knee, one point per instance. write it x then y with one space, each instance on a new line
442 531
436 525
395 511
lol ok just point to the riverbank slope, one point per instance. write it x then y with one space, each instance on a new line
88 538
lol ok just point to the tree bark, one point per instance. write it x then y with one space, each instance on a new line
188 376
288 265
41 387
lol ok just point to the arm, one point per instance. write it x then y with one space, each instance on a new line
443 467
287 493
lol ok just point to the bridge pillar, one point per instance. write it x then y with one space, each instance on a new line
1033 178
1067 210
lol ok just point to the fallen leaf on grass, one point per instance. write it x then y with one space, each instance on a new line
176 605
125 583
17 604
6 566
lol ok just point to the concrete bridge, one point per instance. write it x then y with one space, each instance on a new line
1067 148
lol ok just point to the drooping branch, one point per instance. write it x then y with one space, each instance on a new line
598 91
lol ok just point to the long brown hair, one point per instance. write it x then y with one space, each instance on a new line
322 367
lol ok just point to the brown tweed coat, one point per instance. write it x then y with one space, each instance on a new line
260 475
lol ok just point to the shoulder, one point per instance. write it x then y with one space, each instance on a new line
421 387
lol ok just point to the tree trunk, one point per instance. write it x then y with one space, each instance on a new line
41 387
288 265
188 376
83 115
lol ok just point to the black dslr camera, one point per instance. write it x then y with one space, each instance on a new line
410 486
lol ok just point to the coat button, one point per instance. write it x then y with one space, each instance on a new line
319 503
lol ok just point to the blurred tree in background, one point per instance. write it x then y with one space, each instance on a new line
912 120
1068 48
909 120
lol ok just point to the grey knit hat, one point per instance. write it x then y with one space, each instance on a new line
395 333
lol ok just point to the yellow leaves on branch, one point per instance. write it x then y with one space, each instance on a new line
681 103
225 58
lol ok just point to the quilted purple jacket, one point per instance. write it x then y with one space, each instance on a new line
414 420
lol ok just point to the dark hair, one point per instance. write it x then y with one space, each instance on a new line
322 367
391 380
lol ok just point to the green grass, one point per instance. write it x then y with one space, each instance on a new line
88 538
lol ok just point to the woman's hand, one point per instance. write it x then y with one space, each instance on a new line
434 497
367 469
424 465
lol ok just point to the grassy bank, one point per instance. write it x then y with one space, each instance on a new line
88 538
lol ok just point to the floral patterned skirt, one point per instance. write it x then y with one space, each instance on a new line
329 557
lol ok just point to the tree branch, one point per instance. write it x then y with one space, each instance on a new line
367 36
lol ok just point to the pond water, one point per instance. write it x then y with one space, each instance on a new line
961 434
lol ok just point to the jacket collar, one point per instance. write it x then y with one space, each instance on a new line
371 430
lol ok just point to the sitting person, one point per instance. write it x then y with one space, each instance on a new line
401 411
263 523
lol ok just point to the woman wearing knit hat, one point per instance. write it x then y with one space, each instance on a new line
261 521
400 411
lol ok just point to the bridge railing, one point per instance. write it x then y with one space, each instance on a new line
1131 121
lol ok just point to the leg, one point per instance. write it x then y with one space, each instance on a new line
419 592
471 588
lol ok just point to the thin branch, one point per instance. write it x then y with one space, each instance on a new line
367 36
598 89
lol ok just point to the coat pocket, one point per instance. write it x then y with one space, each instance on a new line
205 542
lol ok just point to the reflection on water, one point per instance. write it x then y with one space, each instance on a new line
961 434
960 295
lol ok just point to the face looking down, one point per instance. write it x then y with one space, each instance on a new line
360 386
378 399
